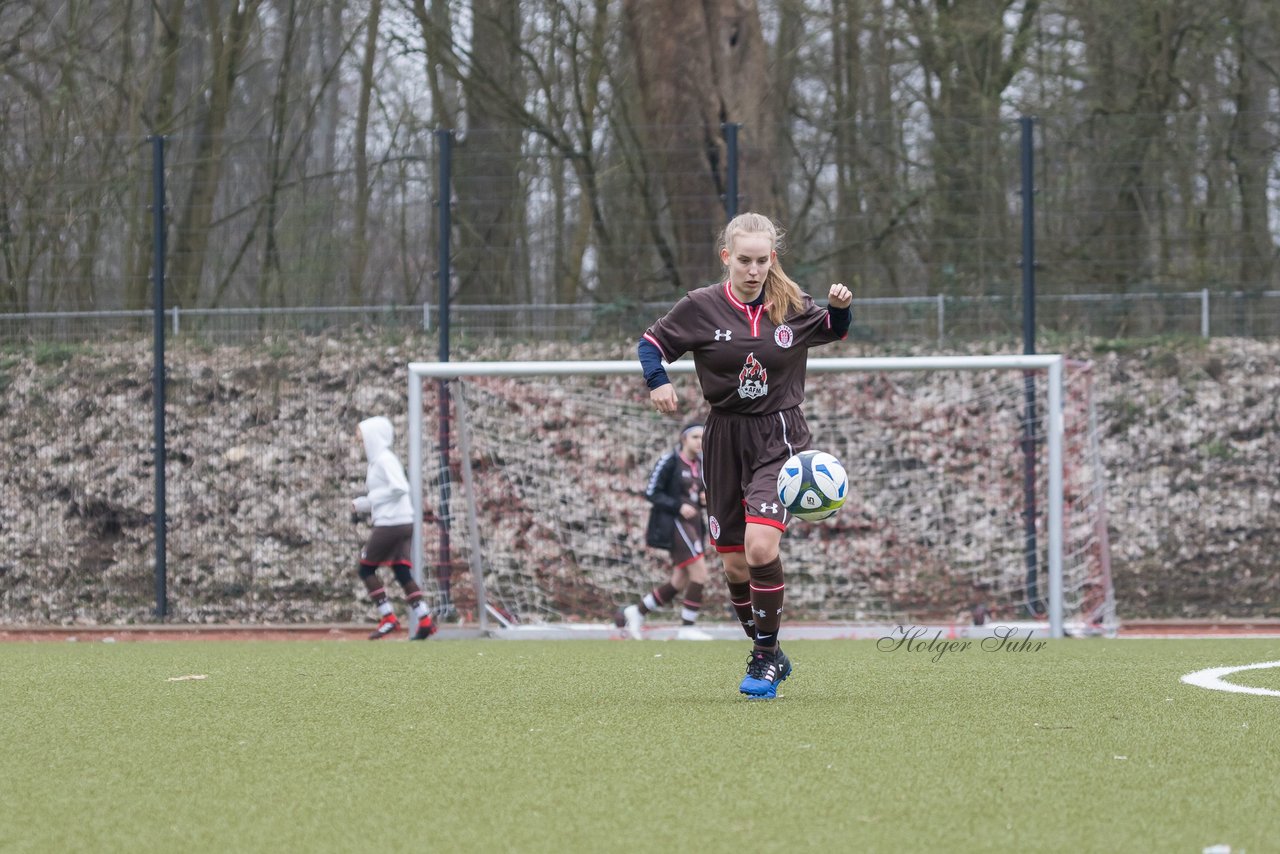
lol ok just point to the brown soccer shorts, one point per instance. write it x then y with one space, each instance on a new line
741 458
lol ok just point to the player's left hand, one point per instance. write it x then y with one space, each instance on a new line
839 296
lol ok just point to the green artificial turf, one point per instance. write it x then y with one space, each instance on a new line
1085 745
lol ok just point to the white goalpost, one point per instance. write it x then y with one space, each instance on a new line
977 491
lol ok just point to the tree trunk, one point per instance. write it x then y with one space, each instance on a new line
165 28
847 66
744 94
12 295
964 55
588 219
1131 55
359 252
490 200
271 290
700 65
782 83
191 238
1252 144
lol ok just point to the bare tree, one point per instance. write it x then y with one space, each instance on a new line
359 239
66 77
591 160
552 94
969 55
847 68
700 65
160 53
1253 143
229 33
785 71
487 183
489 258
1132 56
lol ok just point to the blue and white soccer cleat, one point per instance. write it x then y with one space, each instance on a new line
765 672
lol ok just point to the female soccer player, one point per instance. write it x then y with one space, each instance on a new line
750 336
675 490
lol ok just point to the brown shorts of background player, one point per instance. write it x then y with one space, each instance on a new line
677 498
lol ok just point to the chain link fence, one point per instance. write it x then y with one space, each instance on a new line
941 320
297 290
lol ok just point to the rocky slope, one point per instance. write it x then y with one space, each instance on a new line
262 464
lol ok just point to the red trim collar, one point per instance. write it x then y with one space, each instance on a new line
753 312
737 303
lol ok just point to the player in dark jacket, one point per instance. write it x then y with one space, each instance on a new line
675 490
749 336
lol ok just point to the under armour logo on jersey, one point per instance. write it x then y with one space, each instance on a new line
724 334
766 507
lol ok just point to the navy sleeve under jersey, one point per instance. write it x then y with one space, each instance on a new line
745 363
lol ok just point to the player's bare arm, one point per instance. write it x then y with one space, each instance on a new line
839 296
664 398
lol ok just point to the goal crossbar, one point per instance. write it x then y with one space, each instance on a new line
1051 364
458 370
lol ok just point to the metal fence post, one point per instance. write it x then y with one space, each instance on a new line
444 561
1204 312
731 168
1035 604
158 378
941 300
1028 236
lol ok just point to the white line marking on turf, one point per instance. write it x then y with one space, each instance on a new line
1212 678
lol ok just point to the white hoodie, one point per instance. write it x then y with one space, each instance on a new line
388 498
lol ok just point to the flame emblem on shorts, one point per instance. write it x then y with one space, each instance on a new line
753 380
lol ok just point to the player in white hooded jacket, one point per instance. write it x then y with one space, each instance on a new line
391 510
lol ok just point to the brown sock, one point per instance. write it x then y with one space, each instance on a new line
659 598
692 603
378 596
767 593
740 599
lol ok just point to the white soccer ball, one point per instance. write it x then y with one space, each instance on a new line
812 485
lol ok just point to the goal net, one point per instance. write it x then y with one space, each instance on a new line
976 491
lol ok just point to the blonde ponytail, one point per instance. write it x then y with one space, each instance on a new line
781 294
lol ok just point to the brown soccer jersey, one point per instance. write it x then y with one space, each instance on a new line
745 363
752 373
